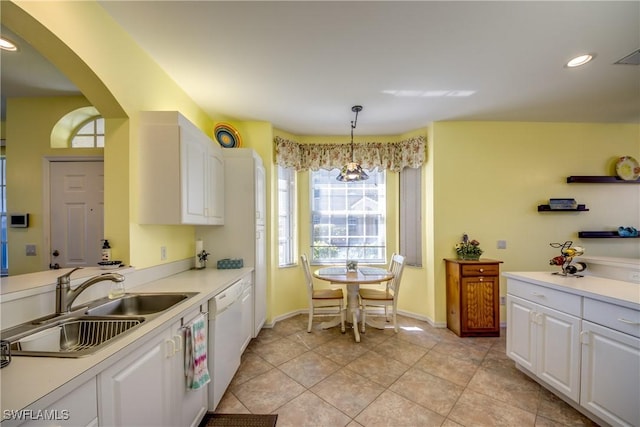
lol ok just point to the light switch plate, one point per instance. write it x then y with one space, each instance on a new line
502 244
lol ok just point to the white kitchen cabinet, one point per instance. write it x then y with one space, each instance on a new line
611 363
244 233
543 340
78 408
192 403
215 192
181 172
148 387
247 312
137 389
575 337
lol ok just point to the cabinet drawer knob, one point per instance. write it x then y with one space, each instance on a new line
482 270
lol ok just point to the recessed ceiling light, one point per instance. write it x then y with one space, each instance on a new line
6 44
580 60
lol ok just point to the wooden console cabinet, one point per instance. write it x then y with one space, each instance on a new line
473 291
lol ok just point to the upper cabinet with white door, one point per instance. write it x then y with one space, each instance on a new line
181 172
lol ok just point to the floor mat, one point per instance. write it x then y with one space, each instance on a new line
239 420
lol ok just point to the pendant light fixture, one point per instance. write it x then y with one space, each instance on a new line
352 171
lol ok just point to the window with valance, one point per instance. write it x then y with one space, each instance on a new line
392 156
349 220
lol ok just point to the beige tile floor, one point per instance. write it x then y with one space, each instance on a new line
422 376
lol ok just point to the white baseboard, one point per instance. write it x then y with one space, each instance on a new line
403 313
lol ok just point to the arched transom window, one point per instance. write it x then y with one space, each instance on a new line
89 134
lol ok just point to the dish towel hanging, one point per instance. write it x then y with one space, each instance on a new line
195 360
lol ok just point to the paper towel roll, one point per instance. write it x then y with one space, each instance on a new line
199 247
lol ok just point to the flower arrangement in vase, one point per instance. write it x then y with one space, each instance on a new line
468 249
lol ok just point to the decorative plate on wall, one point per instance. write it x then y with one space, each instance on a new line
628 168
227 136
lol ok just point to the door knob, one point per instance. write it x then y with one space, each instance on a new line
55 252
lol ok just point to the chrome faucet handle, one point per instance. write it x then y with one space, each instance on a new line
65 279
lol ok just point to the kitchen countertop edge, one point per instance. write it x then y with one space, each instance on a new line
625 294
50 378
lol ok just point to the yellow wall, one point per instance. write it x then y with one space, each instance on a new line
489 178
28 133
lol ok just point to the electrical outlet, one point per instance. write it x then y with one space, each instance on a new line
163 253
502 244
634 276
31 250
503 300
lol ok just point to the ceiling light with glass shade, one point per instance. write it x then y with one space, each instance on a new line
352 171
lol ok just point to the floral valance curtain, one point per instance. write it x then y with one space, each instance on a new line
392 155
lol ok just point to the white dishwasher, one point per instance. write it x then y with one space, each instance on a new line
225 320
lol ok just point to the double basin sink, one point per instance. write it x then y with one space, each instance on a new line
89 328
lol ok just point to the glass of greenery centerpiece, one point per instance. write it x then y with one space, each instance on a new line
468 249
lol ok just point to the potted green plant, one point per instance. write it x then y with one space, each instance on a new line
468 249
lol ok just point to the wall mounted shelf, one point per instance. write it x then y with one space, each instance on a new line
599 180
602 235
547 208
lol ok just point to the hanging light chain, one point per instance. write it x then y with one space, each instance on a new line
356 109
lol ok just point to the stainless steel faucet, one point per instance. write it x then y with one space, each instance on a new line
65 296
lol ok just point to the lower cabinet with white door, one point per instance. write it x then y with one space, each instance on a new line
611 362
247 312
148 387
543 339
585 349
78 409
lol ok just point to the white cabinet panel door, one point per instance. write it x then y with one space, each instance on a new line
194 168
610 375
215 192
521 342
136 390
559 351
545 342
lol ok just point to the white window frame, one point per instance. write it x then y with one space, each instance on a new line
287 217
92 129
350 236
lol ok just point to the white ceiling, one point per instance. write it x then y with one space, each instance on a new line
302 65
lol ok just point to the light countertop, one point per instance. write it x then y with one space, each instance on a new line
626 294
40 381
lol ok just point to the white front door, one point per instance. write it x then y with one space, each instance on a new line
77 213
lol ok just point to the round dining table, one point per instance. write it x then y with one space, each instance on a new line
353 280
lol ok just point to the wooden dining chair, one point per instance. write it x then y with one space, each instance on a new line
321 301
372 300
